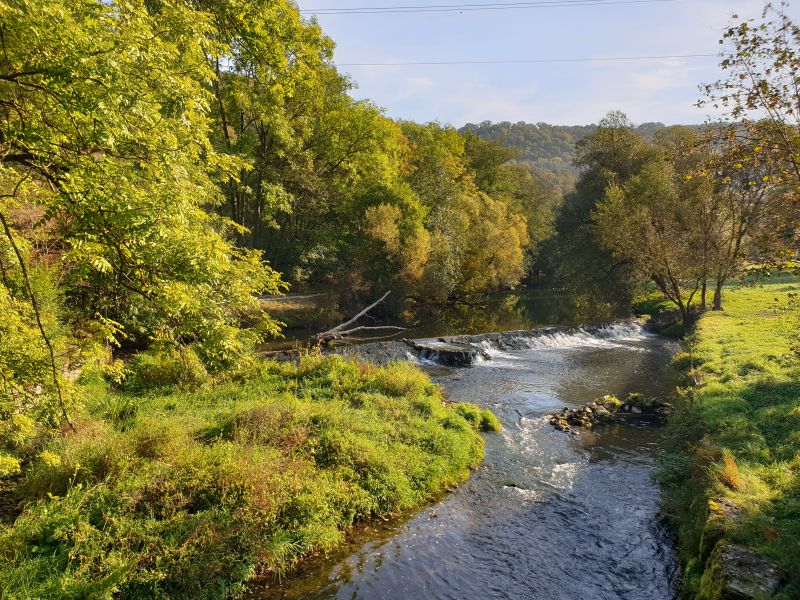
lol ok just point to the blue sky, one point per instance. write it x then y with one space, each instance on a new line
560 93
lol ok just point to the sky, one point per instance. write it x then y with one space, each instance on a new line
563 93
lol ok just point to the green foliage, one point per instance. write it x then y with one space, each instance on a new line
163 367
648 223
120 166
187 495
649 302
477 241
29 400
598 279
528 190
692 211
480 419
760 60
734 437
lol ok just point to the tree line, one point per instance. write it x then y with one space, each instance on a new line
164 162
686 212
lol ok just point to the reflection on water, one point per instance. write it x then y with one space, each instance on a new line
548 515
523 309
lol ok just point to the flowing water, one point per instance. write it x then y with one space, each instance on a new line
548 515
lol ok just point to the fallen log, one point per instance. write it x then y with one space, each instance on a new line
341 333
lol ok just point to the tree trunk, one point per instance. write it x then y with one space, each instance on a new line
685 317
718 294
703 305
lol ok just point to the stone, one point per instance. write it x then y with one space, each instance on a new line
747 575
605 409
448 353
601 412
722 513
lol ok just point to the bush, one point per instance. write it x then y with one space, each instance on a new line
165 367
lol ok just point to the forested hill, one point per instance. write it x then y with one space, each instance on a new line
550 147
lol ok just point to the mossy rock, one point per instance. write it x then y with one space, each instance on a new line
610 401
737 573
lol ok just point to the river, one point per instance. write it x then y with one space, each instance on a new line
549 515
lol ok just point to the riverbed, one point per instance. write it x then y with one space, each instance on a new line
549 515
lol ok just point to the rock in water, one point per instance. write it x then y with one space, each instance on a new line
451 354
609 409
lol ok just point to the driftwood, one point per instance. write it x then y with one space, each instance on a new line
341 331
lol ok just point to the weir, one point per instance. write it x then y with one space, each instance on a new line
466 350
547 516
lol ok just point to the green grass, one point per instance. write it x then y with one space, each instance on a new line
177 494
650 302
735 440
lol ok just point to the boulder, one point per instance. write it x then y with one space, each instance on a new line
746 575
601 412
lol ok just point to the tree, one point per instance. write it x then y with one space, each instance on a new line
649 221
104 132
690 154
262 55
610 156
529 191
761 91
477 240
754 215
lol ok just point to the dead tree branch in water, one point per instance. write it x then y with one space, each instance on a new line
340 332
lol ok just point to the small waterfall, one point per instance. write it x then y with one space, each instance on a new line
464 350
602 335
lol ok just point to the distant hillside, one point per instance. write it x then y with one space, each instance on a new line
549 147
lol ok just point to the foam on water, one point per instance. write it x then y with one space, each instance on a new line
607 336
508 350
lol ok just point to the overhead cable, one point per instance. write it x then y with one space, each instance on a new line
434 8
526 61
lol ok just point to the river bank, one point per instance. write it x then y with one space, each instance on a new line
733 469
190 488
164 491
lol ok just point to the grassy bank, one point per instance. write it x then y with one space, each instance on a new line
733 469
182 494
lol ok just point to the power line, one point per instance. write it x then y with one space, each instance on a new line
364 10
525 61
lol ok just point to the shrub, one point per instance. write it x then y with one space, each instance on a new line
164 367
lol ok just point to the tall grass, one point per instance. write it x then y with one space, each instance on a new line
190 494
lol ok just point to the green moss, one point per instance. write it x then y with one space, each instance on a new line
735 435
710 584
188 494
610 400
676 331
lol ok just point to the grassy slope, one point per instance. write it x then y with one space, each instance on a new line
188 495
736 436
